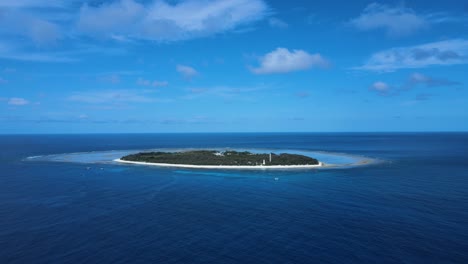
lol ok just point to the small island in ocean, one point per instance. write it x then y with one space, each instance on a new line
221 159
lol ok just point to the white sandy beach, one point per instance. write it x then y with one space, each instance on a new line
222 166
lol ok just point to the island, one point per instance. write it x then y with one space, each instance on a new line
221 159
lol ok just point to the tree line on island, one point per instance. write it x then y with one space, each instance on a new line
226 158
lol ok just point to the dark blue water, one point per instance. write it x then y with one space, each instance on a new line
412 208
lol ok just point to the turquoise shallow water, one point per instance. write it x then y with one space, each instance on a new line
411 207
100 157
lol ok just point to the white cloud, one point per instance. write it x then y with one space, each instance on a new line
43 32
23 24
112 18
381 88
281 60
414 81
396 21
277 23
144 82
419 78
186 71
449 52
163 21
45 23
18 101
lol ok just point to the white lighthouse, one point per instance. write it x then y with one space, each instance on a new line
270 157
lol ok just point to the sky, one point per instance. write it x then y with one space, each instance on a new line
157 66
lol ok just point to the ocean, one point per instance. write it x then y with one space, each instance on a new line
409 207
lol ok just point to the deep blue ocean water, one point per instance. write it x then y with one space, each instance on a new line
410 208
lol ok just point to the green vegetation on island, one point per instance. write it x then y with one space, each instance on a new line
226 158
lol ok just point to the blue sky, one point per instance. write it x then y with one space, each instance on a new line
232 66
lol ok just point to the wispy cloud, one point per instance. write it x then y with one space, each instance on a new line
155 83
17 101
194 120
111 96
423 96
21 22
49 31
277 23
225 92
31 3
9 70
23 51
415 80
302 94
281 60
13 51
421 79
37 57
85 119
186 71
396 21
166 21
380 88
110 78
400 21
449 52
